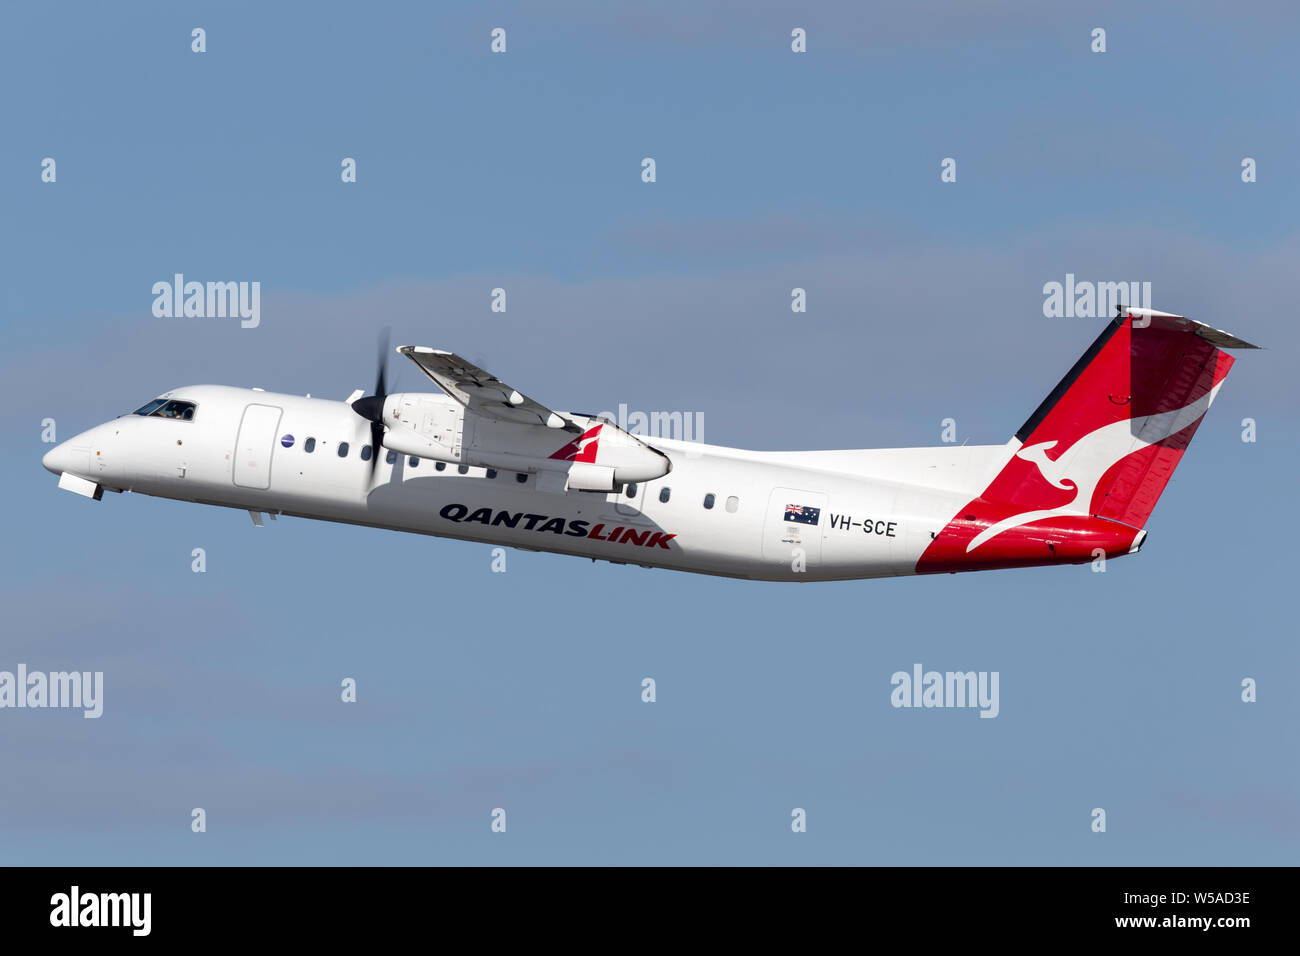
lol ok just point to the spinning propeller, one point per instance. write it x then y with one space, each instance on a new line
371 408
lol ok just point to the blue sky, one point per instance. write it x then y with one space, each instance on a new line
522 690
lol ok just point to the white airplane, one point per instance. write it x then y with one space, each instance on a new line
482 462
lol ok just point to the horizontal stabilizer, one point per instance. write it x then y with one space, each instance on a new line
1167 320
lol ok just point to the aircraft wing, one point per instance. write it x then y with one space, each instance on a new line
479 391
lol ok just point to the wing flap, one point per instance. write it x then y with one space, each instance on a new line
480 391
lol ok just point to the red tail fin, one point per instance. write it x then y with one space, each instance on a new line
1097 453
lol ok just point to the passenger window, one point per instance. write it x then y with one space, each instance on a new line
521 477
365 452
412 462
732 504
664 494
440 465
463 469
309 445
343 449
391 458
491 472
708 500
631 490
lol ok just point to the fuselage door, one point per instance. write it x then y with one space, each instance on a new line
792 528
255 445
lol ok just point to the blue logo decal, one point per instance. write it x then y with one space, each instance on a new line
287 441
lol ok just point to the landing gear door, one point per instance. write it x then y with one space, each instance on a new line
792 528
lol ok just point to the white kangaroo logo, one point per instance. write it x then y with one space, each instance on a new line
1082 465
582 445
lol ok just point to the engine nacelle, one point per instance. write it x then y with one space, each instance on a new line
408 441
631 460
598 459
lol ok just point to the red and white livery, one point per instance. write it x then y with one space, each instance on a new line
478 460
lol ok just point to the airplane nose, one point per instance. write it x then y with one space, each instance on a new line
68 457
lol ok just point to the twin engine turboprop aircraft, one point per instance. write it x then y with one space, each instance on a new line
481 461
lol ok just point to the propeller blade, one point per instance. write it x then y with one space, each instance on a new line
376 447
381 382
371 407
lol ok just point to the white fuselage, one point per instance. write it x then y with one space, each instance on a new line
876 510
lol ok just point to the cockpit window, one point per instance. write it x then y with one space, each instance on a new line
161 408
181 410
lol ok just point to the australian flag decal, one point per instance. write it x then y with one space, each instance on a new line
802 515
